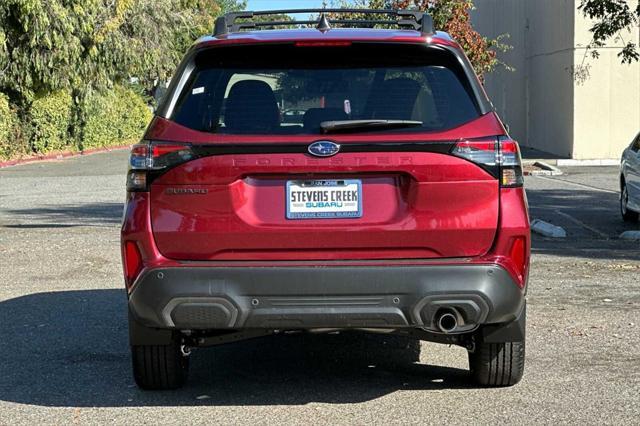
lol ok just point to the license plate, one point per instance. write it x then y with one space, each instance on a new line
324 199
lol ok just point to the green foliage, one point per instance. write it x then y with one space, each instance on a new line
612 19
49 122
114 117
56 54
9 130
86 45
6 119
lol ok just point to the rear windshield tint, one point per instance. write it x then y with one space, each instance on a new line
291 90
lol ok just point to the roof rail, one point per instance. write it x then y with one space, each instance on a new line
413 19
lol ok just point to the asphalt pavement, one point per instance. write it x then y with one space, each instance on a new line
64 356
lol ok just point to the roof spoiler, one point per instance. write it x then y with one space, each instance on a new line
411 19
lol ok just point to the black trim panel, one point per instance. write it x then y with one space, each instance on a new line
301 148
208 150
312 297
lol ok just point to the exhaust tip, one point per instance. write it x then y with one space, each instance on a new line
447 321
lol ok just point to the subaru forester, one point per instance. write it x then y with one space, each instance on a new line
391 201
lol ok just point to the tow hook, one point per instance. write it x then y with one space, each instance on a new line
185 350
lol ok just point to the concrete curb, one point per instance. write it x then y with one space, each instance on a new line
547 229
630 235
567 162
545 169
60 155
572 163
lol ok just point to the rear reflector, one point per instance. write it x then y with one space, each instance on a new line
518 255
132 261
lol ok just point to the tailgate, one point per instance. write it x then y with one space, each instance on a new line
412 205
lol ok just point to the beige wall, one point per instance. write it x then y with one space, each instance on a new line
607 104
549 58
543 105
506 89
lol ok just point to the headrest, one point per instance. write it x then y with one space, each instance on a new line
394 99
251 107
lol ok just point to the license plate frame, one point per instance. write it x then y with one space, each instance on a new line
351 209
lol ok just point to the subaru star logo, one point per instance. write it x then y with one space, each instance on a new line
323 148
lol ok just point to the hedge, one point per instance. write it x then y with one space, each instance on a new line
49 120
114 117
11 142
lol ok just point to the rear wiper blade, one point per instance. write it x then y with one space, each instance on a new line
348 125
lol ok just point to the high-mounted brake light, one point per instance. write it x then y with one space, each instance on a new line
149 157
501 155
323 43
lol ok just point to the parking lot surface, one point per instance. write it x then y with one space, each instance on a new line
64 356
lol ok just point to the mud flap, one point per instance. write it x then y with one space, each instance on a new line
510 332
141 335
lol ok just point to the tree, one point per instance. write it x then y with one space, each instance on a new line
612 19
86 45
70 44
453 17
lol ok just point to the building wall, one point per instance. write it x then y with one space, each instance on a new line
607 104
541 101
549 58
507 89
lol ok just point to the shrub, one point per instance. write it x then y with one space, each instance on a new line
135 114
114 117
12 144
6 124
49 119
100 129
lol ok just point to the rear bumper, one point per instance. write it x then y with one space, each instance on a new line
323 297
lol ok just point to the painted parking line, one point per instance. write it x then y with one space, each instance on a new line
575 221
579 185
582 224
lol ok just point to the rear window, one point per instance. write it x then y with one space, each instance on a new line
285 89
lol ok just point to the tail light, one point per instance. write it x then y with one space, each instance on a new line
510 163
132 261
499 156
150 159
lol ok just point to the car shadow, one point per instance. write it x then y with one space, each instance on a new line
65 216
70 349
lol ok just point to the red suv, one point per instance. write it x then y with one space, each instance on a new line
391 202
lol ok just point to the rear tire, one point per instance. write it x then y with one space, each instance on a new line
159 367
627 215
497 364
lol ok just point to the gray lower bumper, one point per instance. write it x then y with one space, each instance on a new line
323 297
